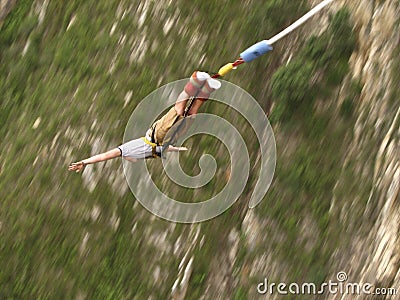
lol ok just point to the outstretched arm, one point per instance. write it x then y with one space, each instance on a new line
80 165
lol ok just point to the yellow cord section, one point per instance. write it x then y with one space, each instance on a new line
225 69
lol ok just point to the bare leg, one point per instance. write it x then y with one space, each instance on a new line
192 88
195 107
204 93
180 103
79 166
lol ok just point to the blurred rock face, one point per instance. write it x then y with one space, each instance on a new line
373 252
376 258
247 251
372 255
5 8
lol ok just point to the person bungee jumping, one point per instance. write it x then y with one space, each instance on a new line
152 145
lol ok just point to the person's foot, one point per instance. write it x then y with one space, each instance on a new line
210 86
196 82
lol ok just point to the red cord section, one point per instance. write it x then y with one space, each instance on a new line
238 62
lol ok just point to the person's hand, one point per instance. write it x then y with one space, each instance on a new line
177 149
76 166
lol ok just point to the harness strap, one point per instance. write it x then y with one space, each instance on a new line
153 132
153 147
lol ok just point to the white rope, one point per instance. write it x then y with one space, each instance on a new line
299 22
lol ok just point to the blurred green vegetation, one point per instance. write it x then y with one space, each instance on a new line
70 70
315 72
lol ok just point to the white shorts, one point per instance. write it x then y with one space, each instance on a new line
138 149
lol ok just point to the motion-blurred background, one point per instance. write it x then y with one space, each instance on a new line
73 71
